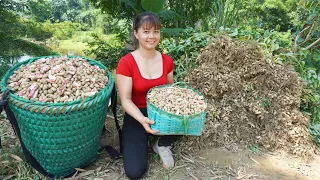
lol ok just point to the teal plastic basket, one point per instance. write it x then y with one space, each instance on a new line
172 124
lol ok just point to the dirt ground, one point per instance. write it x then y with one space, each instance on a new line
219 163
208 164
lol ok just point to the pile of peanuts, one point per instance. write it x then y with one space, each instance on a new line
177 100
57 79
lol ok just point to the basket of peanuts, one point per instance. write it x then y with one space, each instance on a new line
176 109
60 104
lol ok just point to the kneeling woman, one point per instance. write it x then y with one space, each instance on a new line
137 72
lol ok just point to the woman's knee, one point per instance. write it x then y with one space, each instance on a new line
135 171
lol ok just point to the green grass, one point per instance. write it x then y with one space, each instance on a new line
71 44
75 45
78 42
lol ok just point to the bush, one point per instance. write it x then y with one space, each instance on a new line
107 53
275 15
272 41
38 31
42 31
62 30
184 50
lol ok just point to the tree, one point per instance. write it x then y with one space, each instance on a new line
9 28
174 13
191 11
67 10
39 10
58 9
11 45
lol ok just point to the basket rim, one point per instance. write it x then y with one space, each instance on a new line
185 85
14 97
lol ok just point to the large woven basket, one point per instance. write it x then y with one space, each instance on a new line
172 124
61 136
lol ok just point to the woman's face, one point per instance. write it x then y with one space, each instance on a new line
148 37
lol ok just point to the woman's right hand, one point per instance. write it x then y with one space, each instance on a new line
146 125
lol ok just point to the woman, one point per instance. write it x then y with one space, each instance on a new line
137 72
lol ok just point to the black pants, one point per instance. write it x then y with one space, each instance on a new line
135 146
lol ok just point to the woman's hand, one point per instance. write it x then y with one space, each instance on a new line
146 124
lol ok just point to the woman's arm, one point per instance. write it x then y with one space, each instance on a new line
125 89
170 78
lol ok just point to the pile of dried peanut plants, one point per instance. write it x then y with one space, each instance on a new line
251 100
57 79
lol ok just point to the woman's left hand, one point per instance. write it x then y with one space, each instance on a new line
146 125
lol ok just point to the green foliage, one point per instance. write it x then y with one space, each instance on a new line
10 27
108 53
275 13
315 131
155 6
122 18
61 30
31 48
185 51
38 31
88 18
42 31
309 30
268 14
224 13
121 9
311 8
66 10
169 15
70 15
128 9
270 40
191 11
39 10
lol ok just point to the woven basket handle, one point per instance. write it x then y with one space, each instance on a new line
178 83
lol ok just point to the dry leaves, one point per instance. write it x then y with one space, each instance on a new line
17 158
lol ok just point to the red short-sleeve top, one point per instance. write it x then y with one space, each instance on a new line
127 66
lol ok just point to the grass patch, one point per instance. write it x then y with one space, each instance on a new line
72 45
78 42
